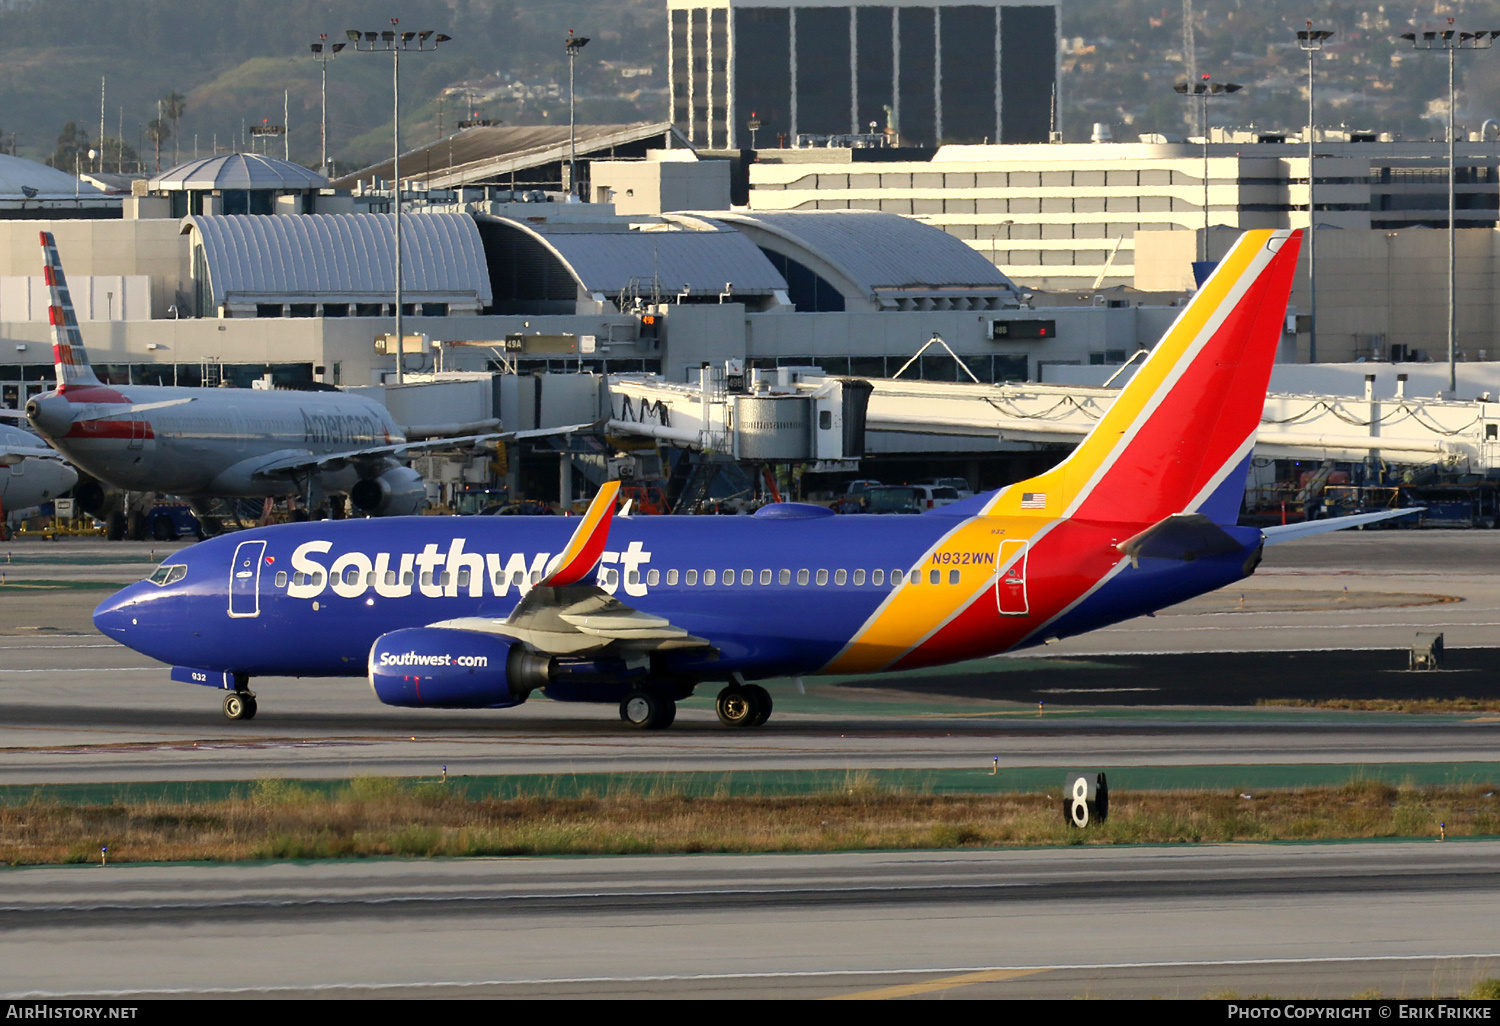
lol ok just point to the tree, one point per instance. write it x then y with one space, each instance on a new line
158 131
173 106
72 146
118 154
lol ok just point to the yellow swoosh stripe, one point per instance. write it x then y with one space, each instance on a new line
598 512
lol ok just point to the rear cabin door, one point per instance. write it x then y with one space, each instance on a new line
1010 586
244 579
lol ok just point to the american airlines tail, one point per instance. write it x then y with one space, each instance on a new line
1178 437
68 354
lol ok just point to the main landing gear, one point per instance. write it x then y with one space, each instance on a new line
743 706
239 705
648 710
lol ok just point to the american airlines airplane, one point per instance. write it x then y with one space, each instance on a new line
482 612
30 472
205 443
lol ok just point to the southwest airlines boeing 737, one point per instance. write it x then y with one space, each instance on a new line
482 612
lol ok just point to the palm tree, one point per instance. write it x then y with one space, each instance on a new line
173 106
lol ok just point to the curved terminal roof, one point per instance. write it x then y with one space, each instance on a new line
886 258
26 179
340 258
610 259
237 171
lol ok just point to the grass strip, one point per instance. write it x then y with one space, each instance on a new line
278 819
1398 705
778 783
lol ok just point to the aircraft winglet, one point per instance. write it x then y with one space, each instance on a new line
578 560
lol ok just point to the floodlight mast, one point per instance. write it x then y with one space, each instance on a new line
1311 40
323 51
573 44
1453 42
389 40
1203 89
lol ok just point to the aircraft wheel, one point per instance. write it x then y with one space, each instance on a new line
114 527
647 710
161 529
762 699
239 705
737 707
135 527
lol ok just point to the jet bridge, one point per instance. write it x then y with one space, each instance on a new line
775 411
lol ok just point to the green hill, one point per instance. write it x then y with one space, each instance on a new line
234 59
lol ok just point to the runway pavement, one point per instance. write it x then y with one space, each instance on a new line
1403 919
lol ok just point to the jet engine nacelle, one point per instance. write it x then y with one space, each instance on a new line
398 492
441 668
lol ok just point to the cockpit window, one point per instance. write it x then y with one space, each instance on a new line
168 574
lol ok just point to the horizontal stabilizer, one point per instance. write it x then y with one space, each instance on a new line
1306 529
1184 536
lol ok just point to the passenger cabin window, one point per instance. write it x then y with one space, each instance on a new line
859 578
952 576
877 577
785 577
634 577
801 576
652 576
709 577
822 578
895 578
728 578
281 578
747 576
406 578
692 577
765 577
935 577
839 577
671 577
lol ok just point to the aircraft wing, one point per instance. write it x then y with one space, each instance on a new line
561 615
288 462
13 454
580 619
1286 532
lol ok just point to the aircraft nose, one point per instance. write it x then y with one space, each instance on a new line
113 616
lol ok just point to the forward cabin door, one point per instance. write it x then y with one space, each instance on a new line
1010 586
244 579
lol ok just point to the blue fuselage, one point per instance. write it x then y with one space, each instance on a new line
772 596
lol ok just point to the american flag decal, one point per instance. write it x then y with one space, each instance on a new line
1033 500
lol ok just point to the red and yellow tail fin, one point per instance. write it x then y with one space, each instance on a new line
68 354
1185 424
578 560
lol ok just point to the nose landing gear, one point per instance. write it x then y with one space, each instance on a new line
239 705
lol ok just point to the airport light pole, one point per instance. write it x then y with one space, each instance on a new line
323 52
1203 89
573 44
1454 43
396 43
1311 40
